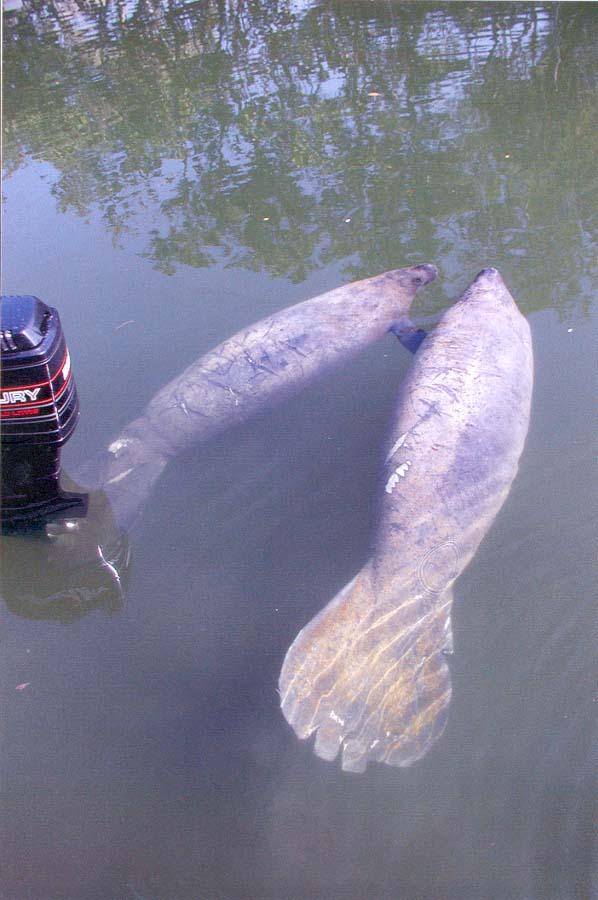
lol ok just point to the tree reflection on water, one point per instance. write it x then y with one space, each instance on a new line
284 136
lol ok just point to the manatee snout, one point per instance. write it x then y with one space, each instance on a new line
488 279
488 286
410 278
424 274
399 286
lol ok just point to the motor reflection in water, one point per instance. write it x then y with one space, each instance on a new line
72 568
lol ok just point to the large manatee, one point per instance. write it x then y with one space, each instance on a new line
369 673
246 373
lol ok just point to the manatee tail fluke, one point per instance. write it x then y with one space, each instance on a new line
126 472
371 680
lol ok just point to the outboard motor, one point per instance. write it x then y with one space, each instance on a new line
39 410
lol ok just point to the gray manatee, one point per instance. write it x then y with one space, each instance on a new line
369 673
248 372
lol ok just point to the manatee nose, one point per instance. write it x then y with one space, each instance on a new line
425 273
488 279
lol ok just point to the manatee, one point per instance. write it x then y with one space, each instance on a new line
369 673
260 365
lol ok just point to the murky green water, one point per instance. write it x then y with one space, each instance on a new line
174 172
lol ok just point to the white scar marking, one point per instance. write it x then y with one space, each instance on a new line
374 744
109 565
119 477
399 472
391 483
336 718
398 444
119 444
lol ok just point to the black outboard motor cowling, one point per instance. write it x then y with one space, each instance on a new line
39 411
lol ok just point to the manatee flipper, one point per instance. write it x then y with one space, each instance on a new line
409 336
370 679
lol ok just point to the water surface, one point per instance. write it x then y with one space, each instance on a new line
172 173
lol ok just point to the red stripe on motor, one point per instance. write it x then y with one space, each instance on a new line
27 387
38 403
16 413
